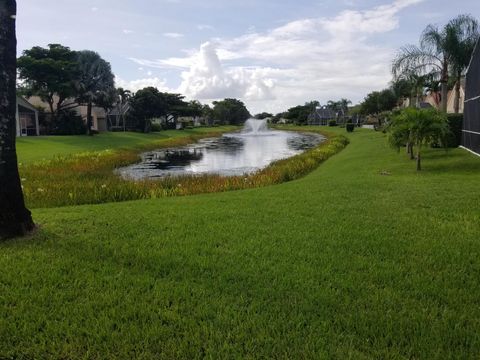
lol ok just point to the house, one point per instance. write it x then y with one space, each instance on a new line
191 121
434 99
471 121
321 116
26 118
99 116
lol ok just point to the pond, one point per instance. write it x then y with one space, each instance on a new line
245 152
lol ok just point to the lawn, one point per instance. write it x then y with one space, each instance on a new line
362 258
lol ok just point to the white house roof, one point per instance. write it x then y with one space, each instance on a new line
24 103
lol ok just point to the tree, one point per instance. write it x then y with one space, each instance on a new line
418 127
263 115
15 218
146 104
207 113
49 74
462 34
124 95
175 107
436 53
300 113
401 88
378 101
149 103
195 108
277 117
343 106
95 83
230 111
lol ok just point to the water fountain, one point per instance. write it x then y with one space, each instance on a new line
255 127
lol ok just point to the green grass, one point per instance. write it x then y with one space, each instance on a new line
32 149
343 263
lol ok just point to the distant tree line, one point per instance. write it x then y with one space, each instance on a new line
300 114
149 103
64 79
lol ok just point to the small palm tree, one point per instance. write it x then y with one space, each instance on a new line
417 128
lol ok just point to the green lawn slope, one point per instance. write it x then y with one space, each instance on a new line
31 149
363 258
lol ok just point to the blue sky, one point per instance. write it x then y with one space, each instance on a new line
272 54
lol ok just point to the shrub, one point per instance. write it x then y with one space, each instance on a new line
455 124
156 127
67 123
332 123
350 127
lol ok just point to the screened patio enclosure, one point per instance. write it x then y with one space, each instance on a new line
471 122
26 118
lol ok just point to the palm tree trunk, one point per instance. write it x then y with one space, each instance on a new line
89 119
456 105
444 86
15 219
410 150
419 165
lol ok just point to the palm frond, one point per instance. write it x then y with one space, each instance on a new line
412 59
432 39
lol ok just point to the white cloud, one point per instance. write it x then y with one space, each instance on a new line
94 9
207 79
127 31
317 58
173 35
136 85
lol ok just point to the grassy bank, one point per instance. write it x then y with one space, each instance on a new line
342 263
90 178
34 149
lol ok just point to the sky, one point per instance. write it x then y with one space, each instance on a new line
271 54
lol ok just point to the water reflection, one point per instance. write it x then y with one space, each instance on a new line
228 155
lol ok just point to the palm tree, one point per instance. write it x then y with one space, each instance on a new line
414 84
401 88
399 134
15 218
428 58
343 104
436 53
417 128
462 35
432 88
334 106
124 96
96 82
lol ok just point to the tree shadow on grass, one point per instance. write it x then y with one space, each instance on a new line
38 236
453 162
